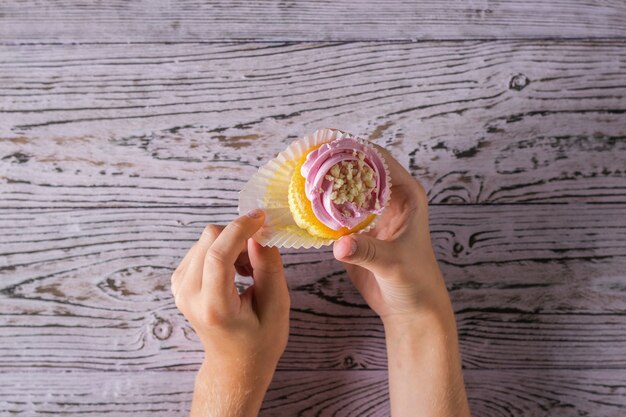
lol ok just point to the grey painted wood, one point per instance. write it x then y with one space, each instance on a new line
235 89
194 20
113 156
492 393
477 122
89 290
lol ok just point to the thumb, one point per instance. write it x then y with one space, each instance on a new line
270 288
365 251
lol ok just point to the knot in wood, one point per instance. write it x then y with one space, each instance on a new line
518 82
457 248
348 362
162 329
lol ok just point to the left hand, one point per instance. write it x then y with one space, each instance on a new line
243 335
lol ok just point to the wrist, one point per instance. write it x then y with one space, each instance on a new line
226 390
428 326
436 311
230 374
408 295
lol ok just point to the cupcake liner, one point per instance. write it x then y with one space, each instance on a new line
268 189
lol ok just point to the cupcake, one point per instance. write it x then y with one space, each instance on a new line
323 186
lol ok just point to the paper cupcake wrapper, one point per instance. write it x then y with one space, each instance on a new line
268 189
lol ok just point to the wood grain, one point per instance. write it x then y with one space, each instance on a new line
125 127
534 286
494 393
194 20
174 124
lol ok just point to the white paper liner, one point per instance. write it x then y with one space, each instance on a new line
268 189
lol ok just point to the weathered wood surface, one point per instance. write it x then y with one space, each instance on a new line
125 127
195 20
89 289
477 122
493 393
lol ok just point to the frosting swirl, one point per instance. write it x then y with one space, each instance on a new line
345 180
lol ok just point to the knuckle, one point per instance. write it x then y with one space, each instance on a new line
286 308
213 317
419 191
237 226
214 256
177 272
417 197
181 303
369 254
273 269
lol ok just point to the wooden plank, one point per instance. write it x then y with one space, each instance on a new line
194 20
534 286
532 393
477 122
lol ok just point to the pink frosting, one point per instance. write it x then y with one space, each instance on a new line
318 188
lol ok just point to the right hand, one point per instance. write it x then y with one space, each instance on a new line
394 268
393 265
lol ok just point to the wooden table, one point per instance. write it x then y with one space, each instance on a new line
125 127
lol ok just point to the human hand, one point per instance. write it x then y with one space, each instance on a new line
243 335
393 266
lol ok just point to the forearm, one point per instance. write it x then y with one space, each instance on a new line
425 377
218 393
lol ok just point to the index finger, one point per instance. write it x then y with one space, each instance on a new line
398 173
223 253
402 178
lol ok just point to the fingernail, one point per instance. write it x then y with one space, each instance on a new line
346 251
255 214
352 247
